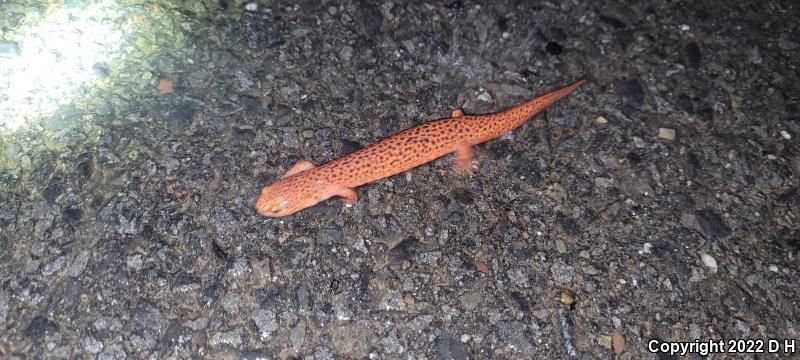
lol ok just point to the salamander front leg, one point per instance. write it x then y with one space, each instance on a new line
298 167
465 159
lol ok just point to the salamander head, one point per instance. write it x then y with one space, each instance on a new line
288 195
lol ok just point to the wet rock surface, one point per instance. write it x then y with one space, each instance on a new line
588 223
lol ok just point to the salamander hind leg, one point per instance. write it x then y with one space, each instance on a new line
299 167
465 159
349 196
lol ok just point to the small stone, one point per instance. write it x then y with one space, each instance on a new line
429 258
470 301
101 323
170 165
420 323
601 120
31 266
773 268
694 331
562 273
323 353
25 162
604 341
165 86
666 134
230 338
711 223
261 269
697 275
140 344
199 324
604 182
3 307
41 326
244 81
298 335
341 310
328 236
482 267
411 303
240 269
646 248
135 262
744 328
151 318
54 266
127 225
408 285
290 89
113 351
302 296
465 338
693 55
92 345
561 246
79 264
290 138
450 348
630 90
495 316
391 344
514 336
106 156
37 249
265 322
786 135
223 222
393 301
754 55
709 261
251 6
618 342
346 53
230 303
518 277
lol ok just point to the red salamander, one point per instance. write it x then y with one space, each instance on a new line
306 184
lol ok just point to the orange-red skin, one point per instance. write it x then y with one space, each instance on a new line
305 185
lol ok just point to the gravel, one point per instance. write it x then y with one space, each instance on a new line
659 201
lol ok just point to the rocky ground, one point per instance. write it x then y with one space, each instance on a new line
658 202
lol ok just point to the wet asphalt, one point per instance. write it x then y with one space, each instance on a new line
658 203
